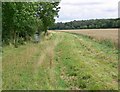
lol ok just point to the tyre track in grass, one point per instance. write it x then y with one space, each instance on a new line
85 66
73 60
48 52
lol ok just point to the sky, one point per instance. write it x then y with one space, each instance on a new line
87 9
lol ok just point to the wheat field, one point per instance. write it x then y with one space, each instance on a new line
100 34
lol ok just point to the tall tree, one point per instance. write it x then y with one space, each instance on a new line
47 12
22 19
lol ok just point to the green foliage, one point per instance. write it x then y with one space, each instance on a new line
88 24
46 12
23 19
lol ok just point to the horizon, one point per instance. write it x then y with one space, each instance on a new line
86 20
87 10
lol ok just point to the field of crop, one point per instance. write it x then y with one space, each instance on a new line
61 61
99 34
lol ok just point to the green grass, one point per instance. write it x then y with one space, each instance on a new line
61 61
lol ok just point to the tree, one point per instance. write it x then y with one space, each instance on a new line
22 19
17 21
88 24
47 12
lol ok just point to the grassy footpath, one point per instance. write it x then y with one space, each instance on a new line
61 61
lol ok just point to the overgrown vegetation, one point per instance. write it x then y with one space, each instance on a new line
61 61
22 19
105 42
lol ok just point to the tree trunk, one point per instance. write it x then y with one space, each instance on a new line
15 39
45 30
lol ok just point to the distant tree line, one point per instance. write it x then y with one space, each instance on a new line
88 24
21 20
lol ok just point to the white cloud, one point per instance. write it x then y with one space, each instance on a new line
87 9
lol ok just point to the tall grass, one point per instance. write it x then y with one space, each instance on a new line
61 61
105 42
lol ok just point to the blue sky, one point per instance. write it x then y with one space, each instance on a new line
87 9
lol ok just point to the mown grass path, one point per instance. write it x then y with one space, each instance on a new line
61 61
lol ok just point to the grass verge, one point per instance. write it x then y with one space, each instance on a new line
61 61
